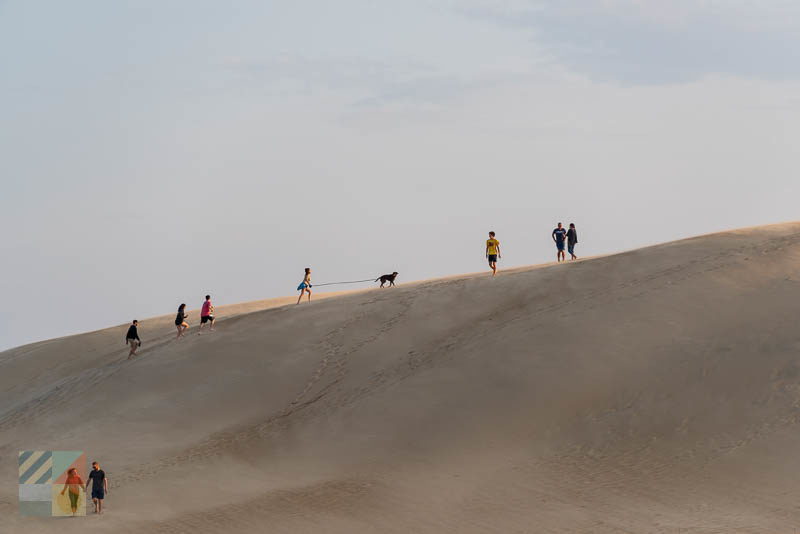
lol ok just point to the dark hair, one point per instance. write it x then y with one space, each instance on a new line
208 297
308 269
560 223
135 321
491 233
182 306
572 225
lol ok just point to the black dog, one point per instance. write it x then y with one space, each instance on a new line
387 278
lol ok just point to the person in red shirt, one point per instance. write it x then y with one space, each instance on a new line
74 484
207 315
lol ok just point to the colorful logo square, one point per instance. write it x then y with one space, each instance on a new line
44 487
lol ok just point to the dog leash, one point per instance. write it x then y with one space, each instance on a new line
350 282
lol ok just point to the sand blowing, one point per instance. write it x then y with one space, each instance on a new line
651 391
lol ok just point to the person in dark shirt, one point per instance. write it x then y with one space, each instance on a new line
99 482
132 339
572 240
559 234
180 321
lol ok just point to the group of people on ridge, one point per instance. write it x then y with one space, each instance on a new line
206 316
561 236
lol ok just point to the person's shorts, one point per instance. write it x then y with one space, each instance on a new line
205 318
133 342
302 286
492 258
98 493
571 248
73 499
560 246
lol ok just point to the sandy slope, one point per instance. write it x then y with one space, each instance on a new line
652 391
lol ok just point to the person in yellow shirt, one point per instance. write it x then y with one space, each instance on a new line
493 252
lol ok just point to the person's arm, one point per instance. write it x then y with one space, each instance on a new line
498 250
88 481
487 249
137 336
105 483
553 235
65 488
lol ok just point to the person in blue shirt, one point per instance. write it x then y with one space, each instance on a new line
559 235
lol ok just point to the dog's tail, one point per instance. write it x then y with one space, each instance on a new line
377 278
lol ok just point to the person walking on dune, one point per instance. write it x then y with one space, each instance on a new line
180 321
559 234
99 482
492 252
132 338
305 286
572 240
74 484
207 315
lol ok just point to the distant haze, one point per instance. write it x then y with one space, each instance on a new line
154 152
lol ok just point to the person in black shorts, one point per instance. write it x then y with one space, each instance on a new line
492 252
559 234
132 338
97 477
180 321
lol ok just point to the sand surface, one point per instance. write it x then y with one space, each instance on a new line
656 390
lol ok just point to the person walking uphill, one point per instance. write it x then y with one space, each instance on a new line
559 234
180 321
206 315
132 338
492 252
305 286
572 240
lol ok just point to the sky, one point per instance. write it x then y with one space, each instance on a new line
153 152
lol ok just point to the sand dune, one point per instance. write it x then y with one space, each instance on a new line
652 391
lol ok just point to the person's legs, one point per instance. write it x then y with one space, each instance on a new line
99 506
132 343
211 322
301 295
308 290
73 502
185 327
180 328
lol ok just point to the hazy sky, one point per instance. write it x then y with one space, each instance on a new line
151 152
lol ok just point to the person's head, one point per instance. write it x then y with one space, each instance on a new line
208 297
491 234
135 322
181 307
72 471
559 225
308 270
572 225
95 466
